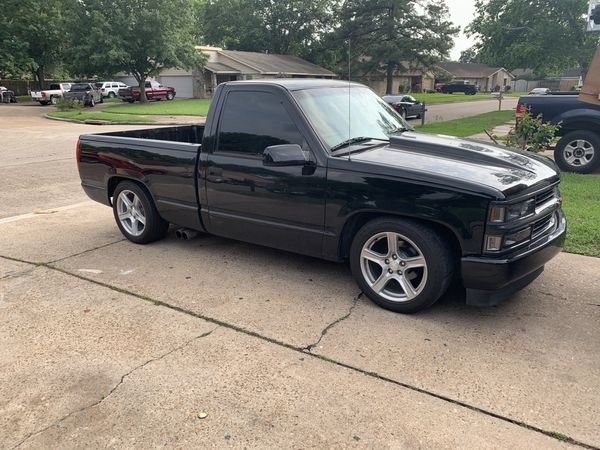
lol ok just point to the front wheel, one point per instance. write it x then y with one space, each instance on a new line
91 103
578 151
136 214
170 96
400 264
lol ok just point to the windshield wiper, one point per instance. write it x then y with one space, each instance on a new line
356 140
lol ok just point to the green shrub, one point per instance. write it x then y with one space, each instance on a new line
68 104
531 133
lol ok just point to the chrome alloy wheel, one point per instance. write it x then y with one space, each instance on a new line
393 266
579 152
131 212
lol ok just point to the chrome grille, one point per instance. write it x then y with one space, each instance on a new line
544 197
543 225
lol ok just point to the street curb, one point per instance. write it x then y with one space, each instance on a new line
104 122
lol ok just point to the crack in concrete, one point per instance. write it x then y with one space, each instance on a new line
552 434
115 387
85 251
309 347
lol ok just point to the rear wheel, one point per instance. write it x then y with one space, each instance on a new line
53 100
91 103
578 151
401 264
111 95
136 214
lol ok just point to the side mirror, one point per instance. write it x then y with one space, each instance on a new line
284 155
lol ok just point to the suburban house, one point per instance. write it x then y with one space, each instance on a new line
481 75
228 65
571 79
409 80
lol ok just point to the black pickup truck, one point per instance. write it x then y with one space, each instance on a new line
578 150
278 164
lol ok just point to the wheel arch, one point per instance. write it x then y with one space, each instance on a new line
359 219
114 181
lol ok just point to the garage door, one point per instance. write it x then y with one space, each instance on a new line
183 85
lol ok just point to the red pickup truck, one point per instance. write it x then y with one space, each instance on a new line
154 91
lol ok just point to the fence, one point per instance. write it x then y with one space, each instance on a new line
22 87
528 85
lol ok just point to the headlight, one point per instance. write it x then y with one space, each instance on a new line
508 213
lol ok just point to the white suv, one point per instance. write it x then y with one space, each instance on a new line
109 89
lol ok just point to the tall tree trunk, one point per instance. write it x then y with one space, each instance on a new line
389 89
141 79
41 76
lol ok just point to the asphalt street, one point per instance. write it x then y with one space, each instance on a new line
213 343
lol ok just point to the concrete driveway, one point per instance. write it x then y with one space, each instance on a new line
214 343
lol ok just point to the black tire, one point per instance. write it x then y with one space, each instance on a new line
403 113
44 103
101 100
91 103
567 152
131 101
53 100
170 96
111 95
433 280
155 227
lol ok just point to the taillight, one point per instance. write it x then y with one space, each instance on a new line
43 94
78 154
521 109
102 89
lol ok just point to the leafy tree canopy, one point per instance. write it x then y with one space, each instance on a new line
286 27
139 37
395 33
545 35
32 37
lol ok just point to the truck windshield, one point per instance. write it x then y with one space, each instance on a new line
331 109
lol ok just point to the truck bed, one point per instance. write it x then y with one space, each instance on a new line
163 159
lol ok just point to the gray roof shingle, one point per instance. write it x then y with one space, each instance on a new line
267 63
468 70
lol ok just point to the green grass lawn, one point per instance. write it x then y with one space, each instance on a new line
581 203
432 99
99 115
468 125
192 107
23 98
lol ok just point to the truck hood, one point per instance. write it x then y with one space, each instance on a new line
469 161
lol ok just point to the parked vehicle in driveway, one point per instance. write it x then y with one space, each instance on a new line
539 91
405 105
51 95
109 89
7 96
279 164
459 86
154 91
578 150
85 93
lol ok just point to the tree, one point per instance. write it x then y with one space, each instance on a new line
545 35
287 27
31 37
395 34
140 37
469 56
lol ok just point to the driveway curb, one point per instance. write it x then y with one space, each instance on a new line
105 122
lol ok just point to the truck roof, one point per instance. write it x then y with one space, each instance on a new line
297 84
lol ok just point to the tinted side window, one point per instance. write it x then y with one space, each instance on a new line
252 121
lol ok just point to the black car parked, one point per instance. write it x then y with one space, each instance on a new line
405 105
467 89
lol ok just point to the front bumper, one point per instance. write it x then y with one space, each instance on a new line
489 281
